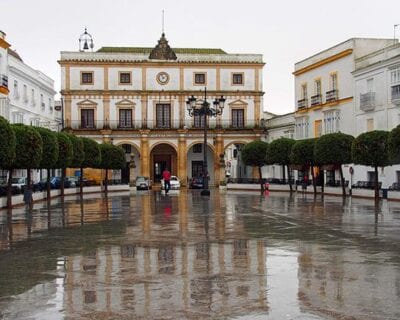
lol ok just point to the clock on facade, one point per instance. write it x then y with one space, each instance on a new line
162 78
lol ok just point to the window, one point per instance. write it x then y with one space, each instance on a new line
198 121
333 81
33 101
42 101
370 125
125 118
25 93
395 76
301 128
125 78
87 118
317 87
331 121
304 91
317 128
163 115
197 148
237 78
16 93
238 118
371 176
17 117
50 106
86 77
35 122
370 85
197 169
200 78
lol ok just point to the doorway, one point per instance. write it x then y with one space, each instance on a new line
162 156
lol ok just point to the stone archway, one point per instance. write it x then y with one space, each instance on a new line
162 156
195 159
235 168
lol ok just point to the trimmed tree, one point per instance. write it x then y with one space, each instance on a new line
92 157
334 149
394 145
28 150
78 151
255 154
65 155
371 149
279 152
50 153
7 151
303 154
112 157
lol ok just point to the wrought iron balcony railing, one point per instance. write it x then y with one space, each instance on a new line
367 101
303 103
332 95
4 81
161 125
316 100
396 94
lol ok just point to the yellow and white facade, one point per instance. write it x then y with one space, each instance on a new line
124 96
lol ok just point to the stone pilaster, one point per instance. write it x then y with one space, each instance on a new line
182 157
67 111
145 153
106 111
143 102
219 149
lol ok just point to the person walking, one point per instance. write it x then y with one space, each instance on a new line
167 180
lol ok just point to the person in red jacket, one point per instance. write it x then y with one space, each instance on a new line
167 180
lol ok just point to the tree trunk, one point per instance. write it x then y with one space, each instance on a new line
322 181
62 181
9 188
81 182
376 184
313 179
48 185
261 180
289 178
106 182
28 190
342 181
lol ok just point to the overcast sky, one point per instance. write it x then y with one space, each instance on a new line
284 32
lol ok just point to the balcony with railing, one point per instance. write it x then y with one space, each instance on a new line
4 81
302 103
332 95
367 101
158 125
316 100
396 94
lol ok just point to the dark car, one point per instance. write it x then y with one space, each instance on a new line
55 183
196 183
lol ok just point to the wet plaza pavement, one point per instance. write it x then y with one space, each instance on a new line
236 256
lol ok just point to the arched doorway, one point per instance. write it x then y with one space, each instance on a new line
163 156
132 168
195 157
235 168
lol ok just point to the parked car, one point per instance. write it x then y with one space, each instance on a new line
175 183
196 183
55 183
85 182
143 183
19 183
74 181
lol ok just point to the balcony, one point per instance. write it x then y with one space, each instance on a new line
316 100
4 81
332 95
367 101
301 104
161 126
396 94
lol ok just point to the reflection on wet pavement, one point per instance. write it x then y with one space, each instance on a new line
235 256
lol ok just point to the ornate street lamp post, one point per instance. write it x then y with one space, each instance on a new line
204 109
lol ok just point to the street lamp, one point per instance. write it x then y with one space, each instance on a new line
204 109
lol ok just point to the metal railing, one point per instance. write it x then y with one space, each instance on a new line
396 94
158 125
303 103
4 81
367 101
316 100
332 95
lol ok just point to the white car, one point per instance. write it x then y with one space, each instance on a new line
19 183
175 183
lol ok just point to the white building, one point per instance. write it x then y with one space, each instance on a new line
324 90
26 94
377 101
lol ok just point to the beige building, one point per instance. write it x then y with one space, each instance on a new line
136 97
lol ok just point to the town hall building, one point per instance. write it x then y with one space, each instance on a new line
136 97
